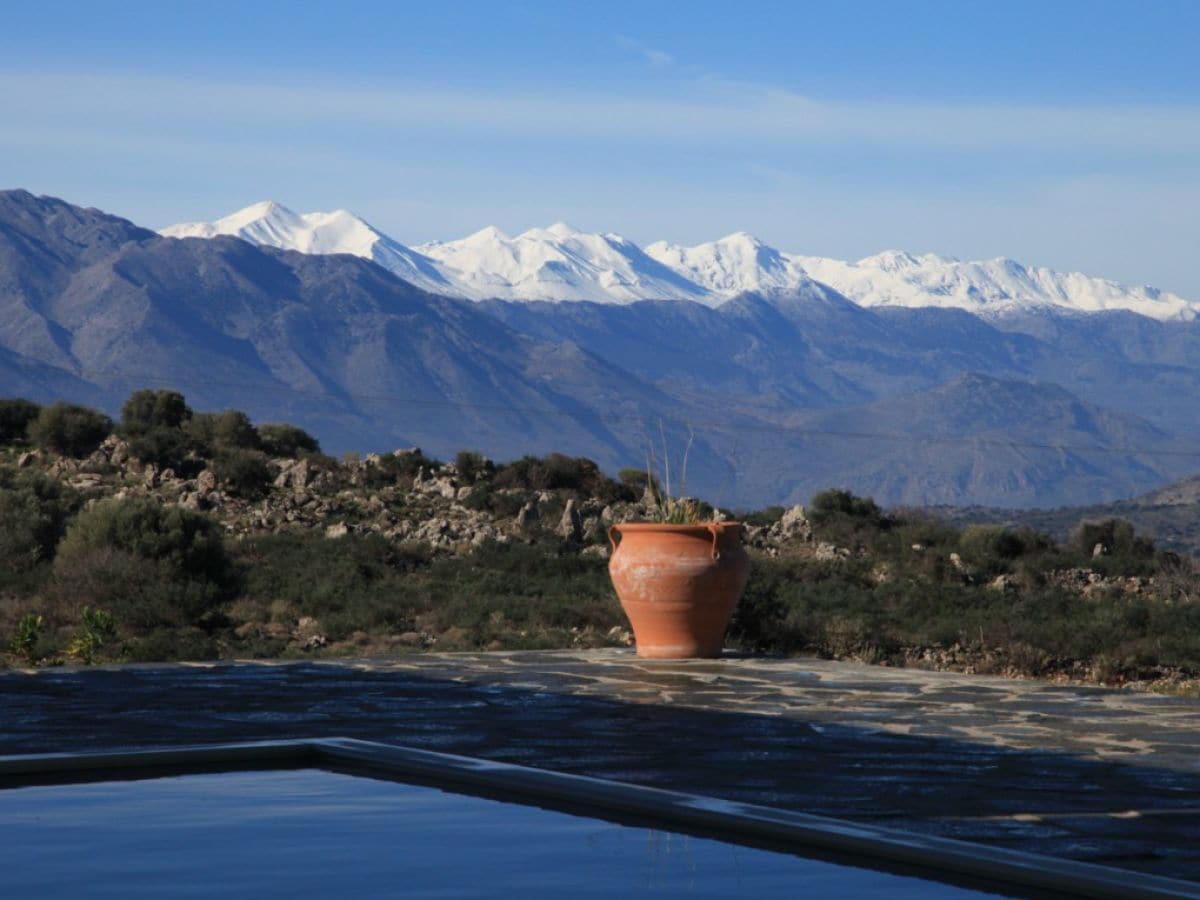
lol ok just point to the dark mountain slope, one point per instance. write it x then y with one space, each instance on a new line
777 389
1023 443
338 343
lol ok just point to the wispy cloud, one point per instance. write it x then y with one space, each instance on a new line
651 55
719 113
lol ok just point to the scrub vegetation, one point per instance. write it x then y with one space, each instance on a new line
174 534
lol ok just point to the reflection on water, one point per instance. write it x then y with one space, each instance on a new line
314 833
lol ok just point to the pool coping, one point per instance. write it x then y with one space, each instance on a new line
934 858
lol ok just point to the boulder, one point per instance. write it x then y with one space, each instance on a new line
526 517
570 526
826 552
295 475
794 525
194 500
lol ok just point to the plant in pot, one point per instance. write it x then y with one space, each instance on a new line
678 576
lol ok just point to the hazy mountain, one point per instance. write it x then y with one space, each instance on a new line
977 436
786 391
562 263
334 343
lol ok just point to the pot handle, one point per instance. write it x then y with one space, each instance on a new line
716 534
612 537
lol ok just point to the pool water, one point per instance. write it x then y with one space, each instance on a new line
313 833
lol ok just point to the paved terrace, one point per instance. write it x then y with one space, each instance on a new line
1091 774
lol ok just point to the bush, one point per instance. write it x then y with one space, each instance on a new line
354 582
231 428
148 563
173 644
148 410
1115 536
286 440
833 503
96 628
15 416
167 448
33 513
69 429
560 472
473 466
244 473
398 469
29 634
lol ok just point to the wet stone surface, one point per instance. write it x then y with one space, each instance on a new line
1087 773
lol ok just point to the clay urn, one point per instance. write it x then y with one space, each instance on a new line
678 584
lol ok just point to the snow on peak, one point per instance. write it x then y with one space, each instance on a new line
562 262
272 224
736 263
994 287
559 262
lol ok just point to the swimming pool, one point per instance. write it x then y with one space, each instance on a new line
335 817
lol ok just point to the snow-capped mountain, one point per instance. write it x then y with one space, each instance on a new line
732 265
273 225
561 263
992 287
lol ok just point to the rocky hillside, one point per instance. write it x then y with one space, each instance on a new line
181 535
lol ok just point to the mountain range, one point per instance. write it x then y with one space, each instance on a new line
562 263
782 390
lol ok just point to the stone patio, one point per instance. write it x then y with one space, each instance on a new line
1086 773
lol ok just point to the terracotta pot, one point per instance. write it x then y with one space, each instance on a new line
678 584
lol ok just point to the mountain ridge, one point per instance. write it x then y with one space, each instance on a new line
775 387
562 263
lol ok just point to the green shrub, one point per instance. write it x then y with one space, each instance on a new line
993 549
229 429
25 641
355 582
33 513
69 429
560 472
233 428
1116 536
96 629
166 448
400 469
518 594
148 410
244 473
171 644
833 503
16 414
472 466
150 564
286 440
502 504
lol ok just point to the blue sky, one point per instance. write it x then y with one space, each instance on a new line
1065 134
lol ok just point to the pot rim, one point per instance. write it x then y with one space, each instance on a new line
674 526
